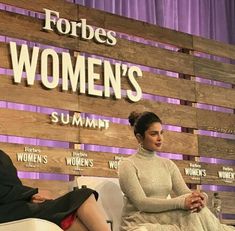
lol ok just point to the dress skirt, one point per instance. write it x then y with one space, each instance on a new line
176 220
51 210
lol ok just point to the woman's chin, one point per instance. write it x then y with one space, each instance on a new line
158 148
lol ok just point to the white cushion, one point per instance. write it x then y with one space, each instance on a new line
110 197
29 224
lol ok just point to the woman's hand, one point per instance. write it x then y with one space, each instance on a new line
202 201
203 196
40 197
195 201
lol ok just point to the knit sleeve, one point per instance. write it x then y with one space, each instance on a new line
178 184
132 189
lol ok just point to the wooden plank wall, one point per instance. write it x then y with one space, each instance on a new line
181 59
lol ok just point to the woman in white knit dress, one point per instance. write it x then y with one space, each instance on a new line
147 179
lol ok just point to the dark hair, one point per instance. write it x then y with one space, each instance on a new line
141 121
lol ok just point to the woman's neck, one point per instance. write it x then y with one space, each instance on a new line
145 153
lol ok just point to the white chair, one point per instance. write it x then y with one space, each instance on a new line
110 200
110 197
29 224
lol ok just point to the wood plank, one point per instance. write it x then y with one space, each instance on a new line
167 86
36 95
66 9
210 69
58 156
214 70
18 26
216 121
142 54
101 166
34 125
93 163
129 26
161 85
124 50
83 163
30 124
109 21
51 188
213 47
118 135
216 147
184 116
133 27
7 63
211 176
215 95
5 58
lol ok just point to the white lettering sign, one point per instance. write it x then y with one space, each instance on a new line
195 171
75 120
32 157
77 29
227 174
79 159
113 164
74 77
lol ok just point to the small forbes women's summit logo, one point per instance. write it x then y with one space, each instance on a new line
77 29
32 157
195 171
227 174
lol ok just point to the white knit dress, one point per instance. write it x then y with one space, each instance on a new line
146 180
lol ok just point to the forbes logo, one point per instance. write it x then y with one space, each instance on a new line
77 29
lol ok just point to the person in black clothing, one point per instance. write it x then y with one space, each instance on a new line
18 201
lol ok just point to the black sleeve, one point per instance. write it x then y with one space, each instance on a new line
4 191
8 172
11 188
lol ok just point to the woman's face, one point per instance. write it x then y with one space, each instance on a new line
153 137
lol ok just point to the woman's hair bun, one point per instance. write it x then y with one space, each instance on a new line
133 117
